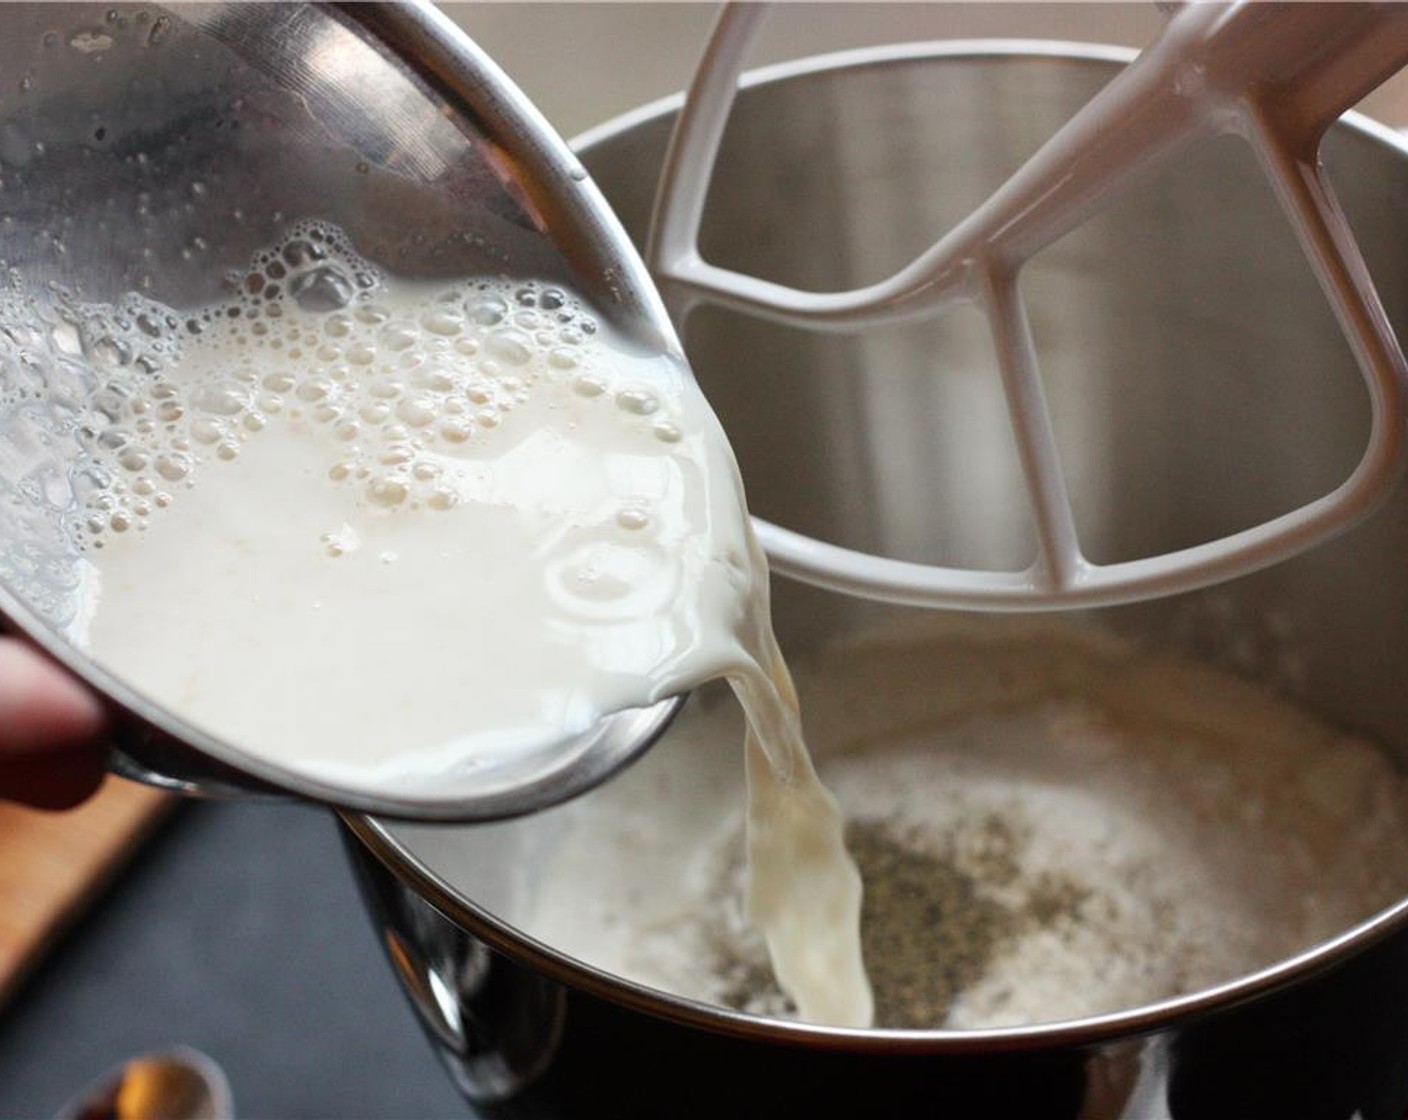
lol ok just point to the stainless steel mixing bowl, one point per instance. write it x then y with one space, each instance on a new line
154 149
1198 383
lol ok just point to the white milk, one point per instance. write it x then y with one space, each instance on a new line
383 534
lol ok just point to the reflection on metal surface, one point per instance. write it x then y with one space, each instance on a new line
495 1024
178 1084
1128 1082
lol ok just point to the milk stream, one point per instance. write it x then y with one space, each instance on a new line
385 534
804 890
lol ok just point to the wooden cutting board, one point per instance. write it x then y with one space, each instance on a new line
53 864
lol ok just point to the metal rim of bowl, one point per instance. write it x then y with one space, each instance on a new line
500 935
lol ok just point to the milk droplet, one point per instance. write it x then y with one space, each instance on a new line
638 402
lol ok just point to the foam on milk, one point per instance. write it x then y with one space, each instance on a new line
384 534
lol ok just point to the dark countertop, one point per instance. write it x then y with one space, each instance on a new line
237 930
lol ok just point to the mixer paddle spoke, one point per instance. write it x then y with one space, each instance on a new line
1062 564
1307 198
1275 75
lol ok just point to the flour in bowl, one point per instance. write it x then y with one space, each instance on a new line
1049 825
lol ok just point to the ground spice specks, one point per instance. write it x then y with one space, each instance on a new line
931 924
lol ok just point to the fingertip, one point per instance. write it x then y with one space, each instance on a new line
56 781
43 708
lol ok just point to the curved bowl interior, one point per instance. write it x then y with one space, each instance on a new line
1197 378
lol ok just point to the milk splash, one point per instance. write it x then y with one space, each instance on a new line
381 533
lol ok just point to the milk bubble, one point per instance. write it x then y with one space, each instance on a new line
322 289
641 402
487 311
511 346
